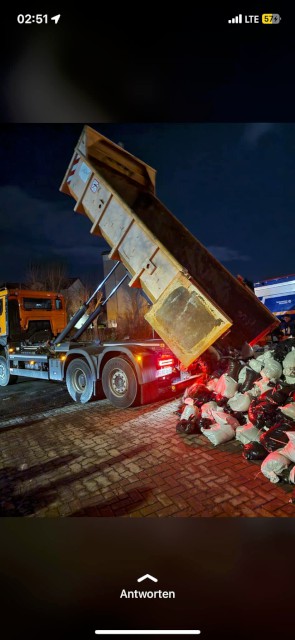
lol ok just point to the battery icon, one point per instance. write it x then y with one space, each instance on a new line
271 18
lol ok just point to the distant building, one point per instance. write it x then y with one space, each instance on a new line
74 292
74 287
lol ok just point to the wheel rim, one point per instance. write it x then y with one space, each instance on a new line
119 382
79 380
2 371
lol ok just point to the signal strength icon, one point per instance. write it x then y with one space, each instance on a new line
237 20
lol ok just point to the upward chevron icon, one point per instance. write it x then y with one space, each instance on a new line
147 576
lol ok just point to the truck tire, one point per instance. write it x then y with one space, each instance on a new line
79 380
5 377
119 383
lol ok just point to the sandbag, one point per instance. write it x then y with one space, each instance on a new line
219 433
211 384
240 402
189 411
199 393
256 365
206 409
226 386
188 426
242 418
261 357
281 349
273 439
254 392
181 426
204 423
220 400
289 449
289 410
254 451
279 394
250 379
189 391
263 384
261 413
272 369
248 433
274 465
233 368
221 417
242 374
289 364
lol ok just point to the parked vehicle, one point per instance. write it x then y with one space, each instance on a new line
278 294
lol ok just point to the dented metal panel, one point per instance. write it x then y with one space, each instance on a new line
195 299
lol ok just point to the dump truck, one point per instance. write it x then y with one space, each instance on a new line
195 301
125 372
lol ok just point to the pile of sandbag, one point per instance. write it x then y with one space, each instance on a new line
251 398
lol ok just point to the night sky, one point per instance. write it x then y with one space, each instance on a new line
232 185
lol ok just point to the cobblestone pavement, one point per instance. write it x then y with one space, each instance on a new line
95 460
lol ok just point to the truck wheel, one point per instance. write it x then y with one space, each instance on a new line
79 381
119 383
5 377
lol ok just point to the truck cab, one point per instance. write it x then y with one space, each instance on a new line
26 314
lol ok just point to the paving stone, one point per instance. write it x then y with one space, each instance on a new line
101 461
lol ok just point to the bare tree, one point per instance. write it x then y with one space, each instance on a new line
55 276
50 276
34 277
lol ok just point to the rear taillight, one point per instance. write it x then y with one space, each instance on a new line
165 361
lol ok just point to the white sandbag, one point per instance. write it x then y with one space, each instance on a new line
255 364
289 410
240 402
188 412
261 358
189 401
207 408
289 449
242 374
268 356
221 417
248 433
226 386
289 379
219 433
292 475
272 369
255 392
211 385
289 364
263 384
274 465
189 391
